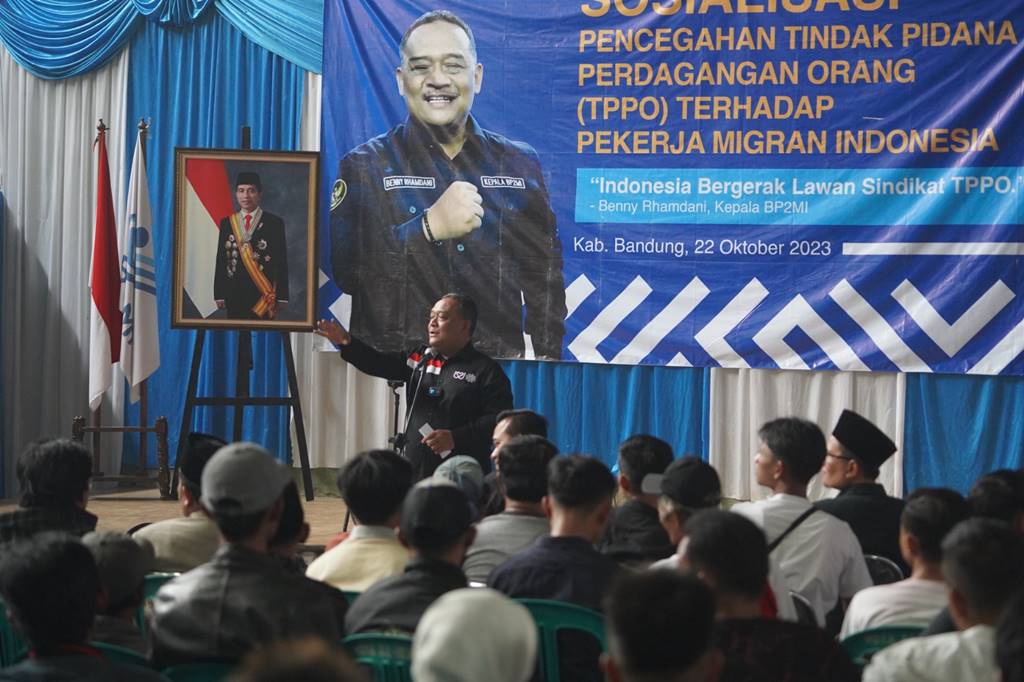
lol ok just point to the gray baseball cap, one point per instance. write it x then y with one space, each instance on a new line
242 478
122 561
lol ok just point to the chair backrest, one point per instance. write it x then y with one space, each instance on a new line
552 616
120 654
198 672
388 657
12 647
804 610
350 596
152 584
883 570
863 645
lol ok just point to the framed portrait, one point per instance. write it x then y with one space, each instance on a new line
245 239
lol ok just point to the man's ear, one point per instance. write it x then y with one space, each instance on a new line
624 483
478 78
545 504
398 79
401 538
959 611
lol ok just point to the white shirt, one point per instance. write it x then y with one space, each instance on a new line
369 554
967 656
911 602
821 559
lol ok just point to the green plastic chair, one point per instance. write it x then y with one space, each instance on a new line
863 645
153 583
552 616
120 654
198 672
388 657
12 647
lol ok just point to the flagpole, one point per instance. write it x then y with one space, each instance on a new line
143 391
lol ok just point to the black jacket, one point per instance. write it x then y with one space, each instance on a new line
873 516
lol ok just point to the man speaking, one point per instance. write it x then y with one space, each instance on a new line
440 204
453 392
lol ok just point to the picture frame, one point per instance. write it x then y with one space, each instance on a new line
245 239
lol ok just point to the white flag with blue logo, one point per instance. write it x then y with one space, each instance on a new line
140 347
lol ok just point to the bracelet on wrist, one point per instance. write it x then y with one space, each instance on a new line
426 228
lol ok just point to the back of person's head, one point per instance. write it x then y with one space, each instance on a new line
929 515
54 473
729 550
998 495
466 473
800 445
436 515
641 455
659 626
310 659
524 423
199 448
1010 640
50 586
523 467
502 646
373 485
241 483
981 561
122 563
292 528
579 482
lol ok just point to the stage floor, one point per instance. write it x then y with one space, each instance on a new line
125 509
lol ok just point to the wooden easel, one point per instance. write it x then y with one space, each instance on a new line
242 397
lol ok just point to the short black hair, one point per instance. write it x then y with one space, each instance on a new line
998 495
50 584
1010 640
373 485
579 481
982 559
523 467
730 549
238 527
435 16
523 423
293 516
642 454
54 472
467 309
929 515
199 448
799 443
659 623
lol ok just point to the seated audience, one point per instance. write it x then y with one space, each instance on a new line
658 626
687 486
565 566
373 485
522 473
1010 640
510 423
310 659
929 515
243 596
50 586
854 454
981 563
122 563
183 543
819 554
474 635
634 534
437 527
730 554
996 495
53 476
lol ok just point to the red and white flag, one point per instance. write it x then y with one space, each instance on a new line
105 286
208 199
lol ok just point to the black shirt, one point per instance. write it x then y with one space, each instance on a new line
635 534
398 602
763 650
463 393
874 518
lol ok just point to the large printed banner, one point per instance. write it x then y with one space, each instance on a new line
801 184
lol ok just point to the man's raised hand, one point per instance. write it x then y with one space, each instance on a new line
456 213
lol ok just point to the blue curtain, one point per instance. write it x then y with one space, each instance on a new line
200 87
957 428
65 38
593 408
